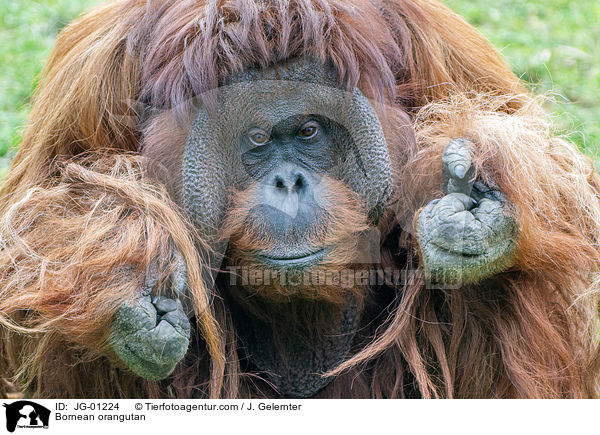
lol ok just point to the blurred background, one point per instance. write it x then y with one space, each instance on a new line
552 44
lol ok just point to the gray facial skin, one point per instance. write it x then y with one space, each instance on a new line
277 101
470 234
466 236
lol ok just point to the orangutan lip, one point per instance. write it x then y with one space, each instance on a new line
296 261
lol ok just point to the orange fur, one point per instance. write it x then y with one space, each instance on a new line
126 73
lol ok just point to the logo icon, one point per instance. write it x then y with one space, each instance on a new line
26 414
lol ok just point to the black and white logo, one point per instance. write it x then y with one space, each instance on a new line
25 414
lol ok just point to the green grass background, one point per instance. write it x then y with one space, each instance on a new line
552 44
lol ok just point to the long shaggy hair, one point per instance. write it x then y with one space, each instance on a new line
81 220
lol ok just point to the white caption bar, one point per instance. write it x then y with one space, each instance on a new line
368 417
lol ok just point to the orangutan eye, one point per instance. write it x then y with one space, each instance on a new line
309 130
258 137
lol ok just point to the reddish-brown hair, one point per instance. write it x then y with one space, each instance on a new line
76 205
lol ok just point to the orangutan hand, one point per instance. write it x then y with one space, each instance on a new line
152 334
470 234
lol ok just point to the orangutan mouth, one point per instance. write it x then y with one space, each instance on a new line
296 260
